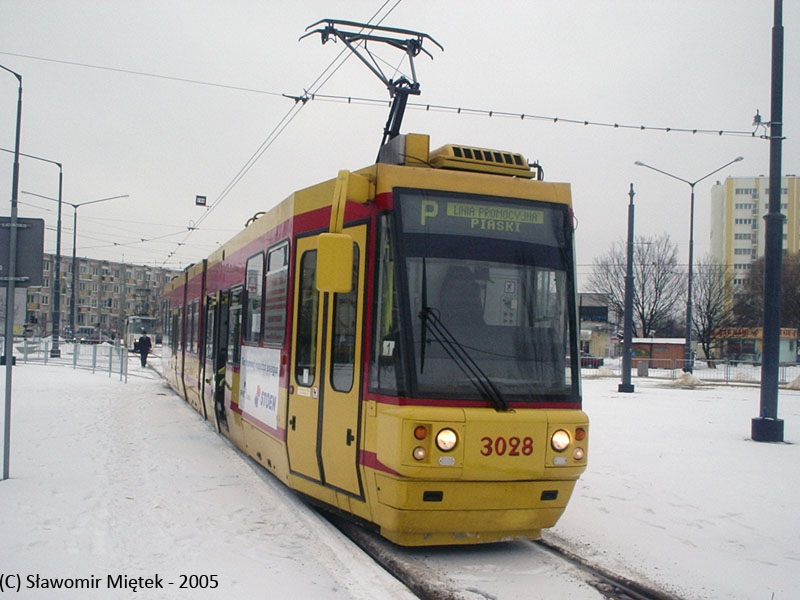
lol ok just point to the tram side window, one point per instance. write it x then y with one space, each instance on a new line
275 295
193 328
196 333
175 331
211 306
345 313
385 371
188 324
165 324
254 281
308 299
235 327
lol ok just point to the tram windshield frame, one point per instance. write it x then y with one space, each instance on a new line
476 300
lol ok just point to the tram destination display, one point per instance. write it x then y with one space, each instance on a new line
431 212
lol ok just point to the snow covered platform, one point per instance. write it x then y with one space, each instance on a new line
124 486
126 481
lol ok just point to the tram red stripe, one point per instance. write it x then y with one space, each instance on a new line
370 459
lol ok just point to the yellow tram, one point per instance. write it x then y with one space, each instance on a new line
399 344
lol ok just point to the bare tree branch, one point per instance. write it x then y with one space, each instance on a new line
712 306
749 301
658 282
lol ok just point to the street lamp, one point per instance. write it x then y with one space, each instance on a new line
75 206
12 273
687 354
55 352
74 314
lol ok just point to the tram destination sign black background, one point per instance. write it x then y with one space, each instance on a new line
30 251
502 218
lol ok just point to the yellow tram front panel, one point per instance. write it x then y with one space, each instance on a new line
502 479
490 513
491 445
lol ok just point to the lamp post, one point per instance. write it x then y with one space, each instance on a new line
74 313
75 206
12 273
687 353
626 385
55 351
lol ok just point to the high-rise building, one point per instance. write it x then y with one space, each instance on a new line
106 293
738 206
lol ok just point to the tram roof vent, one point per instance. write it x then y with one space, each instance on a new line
469 158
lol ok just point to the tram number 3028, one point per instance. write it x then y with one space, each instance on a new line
513 446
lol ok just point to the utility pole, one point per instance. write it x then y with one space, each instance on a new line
12 275
767 427
626 385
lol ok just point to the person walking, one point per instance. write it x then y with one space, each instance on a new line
144 346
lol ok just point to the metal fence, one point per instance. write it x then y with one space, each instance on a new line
113 359
711 371
105 358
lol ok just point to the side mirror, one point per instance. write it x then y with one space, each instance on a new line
335 263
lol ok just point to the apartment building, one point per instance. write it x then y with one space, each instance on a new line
738 206
106 293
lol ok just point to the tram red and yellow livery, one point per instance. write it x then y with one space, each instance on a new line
399 344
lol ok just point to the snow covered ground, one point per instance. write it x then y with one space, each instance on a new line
111 479
678 493
125 480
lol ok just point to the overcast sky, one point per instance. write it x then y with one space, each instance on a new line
104 95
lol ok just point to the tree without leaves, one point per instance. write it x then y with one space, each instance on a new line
712 309
658 284
790 286
749 300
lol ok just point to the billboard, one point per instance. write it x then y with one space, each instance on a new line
30 249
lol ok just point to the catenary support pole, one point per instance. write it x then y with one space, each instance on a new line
626 385
767 427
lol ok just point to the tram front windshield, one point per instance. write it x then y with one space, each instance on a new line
489 308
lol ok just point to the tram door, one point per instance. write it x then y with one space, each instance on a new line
323 412
216 354
220 354
209 338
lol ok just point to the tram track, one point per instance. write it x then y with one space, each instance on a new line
611 585
408 566
436 583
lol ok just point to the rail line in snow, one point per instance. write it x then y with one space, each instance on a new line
433 574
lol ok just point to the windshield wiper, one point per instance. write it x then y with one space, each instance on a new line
423 328
456 351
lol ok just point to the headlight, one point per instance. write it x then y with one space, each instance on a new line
446 440
560 440
420 453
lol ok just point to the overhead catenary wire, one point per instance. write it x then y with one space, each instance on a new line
455 109
482 112
290 115
115 241
142 74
